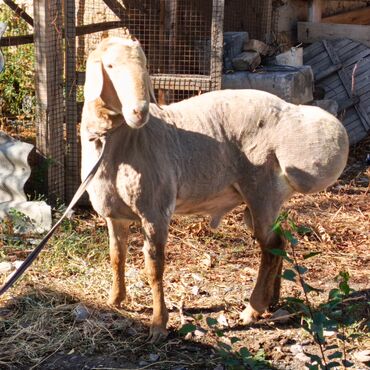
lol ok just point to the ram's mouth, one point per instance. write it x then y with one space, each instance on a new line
136 123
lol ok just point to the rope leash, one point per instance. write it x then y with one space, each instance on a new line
32 256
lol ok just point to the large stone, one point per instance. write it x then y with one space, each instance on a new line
256 45
233 46
26 217
294 85
246 61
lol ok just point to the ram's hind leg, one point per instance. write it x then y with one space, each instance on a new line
118 234
262 211
267 287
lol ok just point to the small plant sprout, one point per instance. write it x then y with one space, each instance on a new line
328 316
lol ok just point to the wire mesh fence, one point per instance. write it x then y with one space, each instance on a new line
183 41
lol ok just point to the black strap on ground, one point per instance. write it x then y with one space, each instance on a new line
31 257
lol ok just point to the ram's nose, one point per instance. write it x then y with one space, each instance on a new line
138 116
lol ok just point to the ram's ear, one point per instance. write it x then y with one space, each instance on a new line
150 88
94 77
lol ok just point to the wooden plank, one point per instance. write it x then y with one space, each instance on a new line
173 82
19 11
327 72
347 85
358 16
49 93
178 82
72 166
98 27
348 103
309 32
312 50
353 48
318 66
355 57
334 84
314 10
16 40
217 40
169 11
351 118
80 31
321 57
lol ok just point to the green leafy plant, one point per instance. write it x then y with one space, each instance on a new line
16 222
17 80
328 316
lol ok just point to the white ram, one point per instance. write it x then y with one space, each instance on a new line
228 148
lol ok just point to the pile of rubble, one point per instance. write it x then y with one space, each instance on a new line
333 75
251 64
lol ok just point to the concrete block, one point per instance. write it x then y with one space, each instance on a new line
233 46
293 84
292 57
246 61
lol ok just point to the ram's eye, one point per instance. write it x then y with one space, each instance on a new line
109 66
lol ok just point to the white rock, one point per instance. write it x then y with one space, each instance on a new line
17 264
153 357
362 356
296 348
197 277
132 273
329 333
222 320
302 357
5 267
199 333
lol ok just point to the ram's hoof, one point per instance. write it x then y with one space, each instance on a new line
249 315
115 301
157 335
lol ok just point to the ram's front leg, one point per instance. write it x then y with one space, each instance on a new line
118 235
154 252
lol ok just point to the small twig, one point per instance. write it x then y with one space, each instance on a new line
266 321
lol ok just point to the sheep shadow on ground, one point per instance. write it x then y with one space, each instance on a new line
49 330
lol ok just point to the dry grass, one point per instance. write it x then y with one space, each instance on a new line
209 274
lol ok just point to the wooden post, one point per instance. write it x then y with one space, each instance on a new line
49 93
72 154
217 40
314 10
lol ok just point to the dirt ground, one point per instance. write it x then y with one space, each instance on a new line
56 317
